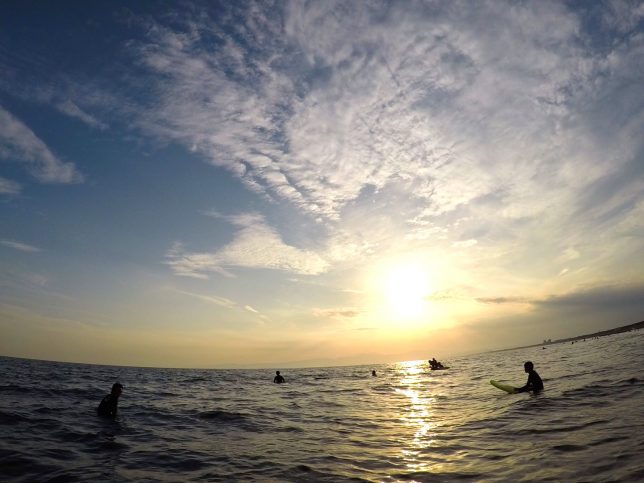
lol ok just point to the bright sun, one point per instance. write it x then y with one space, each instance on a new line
406 289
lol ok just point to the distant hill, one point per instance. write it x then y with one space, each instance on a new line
617 330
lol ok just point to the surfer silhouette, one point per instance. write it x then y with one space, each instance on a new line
534 383
109 405
373 373
435 364
278 379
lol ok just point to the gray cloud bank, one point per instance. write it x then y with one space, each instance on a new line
564 315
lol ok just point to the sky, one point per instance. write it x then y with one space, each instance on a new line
275 184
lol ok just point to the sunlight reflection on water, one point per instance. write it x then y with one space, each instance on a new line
333 424
419 414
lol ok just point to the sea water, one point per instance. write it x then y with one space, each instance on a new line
333 424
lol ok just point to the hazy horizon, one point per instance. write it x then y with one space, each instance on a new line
359 360
203 184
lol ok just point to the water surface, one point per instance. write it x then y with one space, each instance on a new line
333 424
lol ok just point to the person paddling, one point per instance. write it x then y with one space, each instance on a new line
534 383
109 405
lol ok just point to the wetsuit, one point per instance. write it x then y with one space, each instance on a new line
108 406
278 379
534 383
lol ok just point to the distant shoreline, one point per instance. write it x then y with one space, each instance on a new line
602 333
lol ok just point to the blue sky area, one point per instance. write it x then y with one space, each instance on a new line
239 184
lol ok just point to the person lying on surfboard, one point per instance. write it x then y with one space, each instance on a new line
534 381
435 364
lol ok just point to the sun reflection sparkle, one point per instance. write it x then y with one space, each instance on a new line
419 415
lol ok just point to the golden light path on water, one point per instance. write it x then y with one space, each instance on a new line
419 416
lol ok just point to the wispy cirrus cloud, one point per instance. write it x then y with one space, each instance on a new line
504 300
9 187
480 113
256 245
225 302
337 313
71 109
18 142
212 299
22 247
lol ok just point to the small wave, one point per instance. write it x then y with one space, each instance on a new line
331 404
196 379
12 418
229 418
181 462
610 439
289 429
72 436
45 423
222 416
15 388
111 445
567 448
15 464
560 429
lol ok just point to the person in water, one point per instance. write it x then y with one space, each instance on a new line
435 364
534 383
278 378
109 404
373 373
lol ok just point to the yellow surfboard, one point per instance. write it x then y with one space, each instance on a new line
504 387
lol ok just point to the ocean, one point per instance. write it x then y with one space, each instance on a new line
333 424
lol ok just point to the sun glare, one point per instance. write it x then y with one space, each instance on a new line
406 289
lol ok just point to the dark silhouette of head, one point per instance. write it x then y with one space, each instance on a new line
277 372
117 389
528 366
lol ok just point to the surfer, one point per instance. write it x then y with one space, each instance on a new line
373 373
278 378
435 364
534 381
108 406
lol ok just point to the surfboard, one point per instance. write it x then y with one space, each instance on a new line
439 368
504 387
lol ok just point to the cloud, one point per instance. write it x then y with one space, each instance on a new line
23 247
337 313
448 103
212 299
504 300
398 126
227 303
251 309
9 187
602 297
464 243
256 245
69 108
18 142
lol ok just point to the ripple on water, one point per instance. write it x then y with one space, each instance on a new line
406 424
